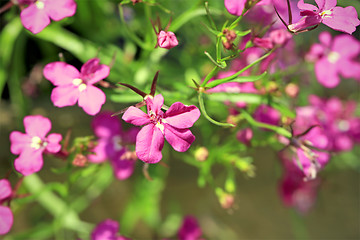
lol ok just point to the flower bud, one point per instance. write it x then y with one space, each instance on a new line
80 160
201 154
244 136
292 90
167 40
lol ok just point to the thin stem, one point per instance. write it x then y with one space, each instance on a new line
210 75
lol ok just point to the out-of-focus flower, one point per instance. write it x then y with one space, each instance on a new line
335 57
167 40
338 18
190 229
173 125
6 215
33 143
112 144
73 86
267 114
236 7
36 16
107 230
201 154
244 136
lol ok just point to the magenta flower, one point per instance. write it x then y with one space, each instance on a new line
236 7
189 229
6 215
72 85
334 58
167 40
112 144
244 136
338 18
173 125
267 114
37 15
33 143
107 230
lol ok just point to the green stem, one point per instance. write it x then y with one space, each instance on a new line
210 75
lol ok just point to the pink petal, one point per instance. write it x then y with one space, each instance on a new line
19 141
349 69
235 7
154 105
6 220
325 38
58 10
135 116
346 45
326 73
91 99
93 72
63 96
60 73
29 161
326 4
105 230
343 19
99 150
104 125
305 6
130 136
34 19
123 168
179 139
181 116
167 40
149 143
53 141
37 126
5 189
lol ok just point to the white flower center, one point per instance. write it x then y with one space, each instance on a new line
79 83
39 4
117 143
343 125
326 13
37 143
333 57
160 126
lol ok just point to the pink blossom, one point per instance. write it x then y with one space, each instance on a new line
244 136
6 215
190 229
334 58
167 40
173 125
37 15
338 18
73 86
31 144
112 144
236 7
107 230
267 114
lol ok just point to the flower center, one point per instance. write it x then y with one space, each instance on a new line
326 13
343 125
117 143
79 83
333 57
37 143
40 4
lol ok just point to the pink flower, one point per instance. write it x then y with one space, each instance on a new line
33 143
173 125
189 229
236 7
338 18
335 57
112 144
39 12
107 230
167 40
244 136
267 114
72 85
6 216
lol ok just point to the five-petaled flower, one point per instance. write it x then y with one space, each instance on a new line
31 144
173 125
6 215
72 85
338 18
37 15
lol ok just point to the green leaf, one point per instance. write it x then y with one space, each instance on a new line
241 79
236 97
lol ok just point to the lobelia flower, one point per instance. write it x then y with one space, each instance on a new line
112 144
31 144
173 125
6 215
73 86
107 230
236 7
189 229
334 58
267 114
167 39
337 18
37 15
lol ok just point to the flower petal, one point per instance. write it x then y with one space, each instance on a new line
305 6
179 139
326 73
105 230
19 141
149 143
5 189
104 125
53 141
135 116
100 153
91 99
63 96
6 220
37 126
29 161
93 72
60 73
154 105
58 10
235 7
343 19
34 19
181 116
123 168
346 45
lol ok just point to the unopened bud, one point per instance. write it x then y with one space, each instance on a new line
227 201
201 154
167 40
244 136
80 160
292 90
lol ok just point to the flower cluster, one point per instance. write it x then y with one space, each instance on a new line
6 215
